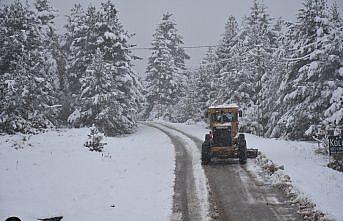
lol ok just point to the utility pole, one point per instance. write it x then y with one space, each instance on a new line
159 109
260 131
258 87
190 94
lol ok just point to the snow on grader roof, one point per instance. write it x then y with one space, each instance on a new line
224 106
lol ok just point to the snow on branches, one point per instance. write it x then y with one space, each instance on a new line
165 81
94 142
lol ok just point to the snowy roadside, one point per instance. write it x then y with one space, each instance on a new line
55 175
309 174
307 170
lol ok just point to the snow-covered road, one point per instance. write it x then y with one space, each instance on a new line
238 192
191 198
55 175
308 171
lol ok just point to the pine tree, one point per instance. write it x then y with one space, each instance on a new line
94 140
247 66
98 98
165 79
161 85
270 96
314 58
28 92
187 108
109 91
208 79
175 43
117 51
79 55
228 59
49 67
333 115
76 42
228 41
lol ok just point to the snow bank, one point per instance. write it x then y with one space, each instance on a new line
305 206
53 174
308 171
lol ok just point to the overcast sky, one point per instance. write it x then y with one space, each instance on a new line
201 22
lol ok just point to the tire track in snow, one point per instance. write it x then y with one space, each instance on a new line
191 189
216 211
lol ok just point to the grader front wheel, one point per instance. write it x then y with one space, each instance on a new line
205 153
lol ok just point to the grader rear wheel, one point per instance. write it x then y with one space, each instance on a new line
242 149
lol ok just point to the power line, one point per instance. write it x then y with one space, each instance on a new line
185 47
201 46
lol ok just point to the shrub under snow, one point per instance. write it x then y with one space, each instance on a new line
94 140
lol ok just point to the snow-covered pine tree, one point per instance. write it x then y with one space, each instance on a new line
79 45
254 58
228 41
110 90
206 81
333 115
187 108
160 83
165 79
270 100
97 99
117 50
46 15
26 89
48 50
228 63
113 41
94 142
75 46
170 32
63 93
312 83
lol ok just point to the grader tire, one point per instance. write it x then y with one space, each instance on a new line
205 156
242 149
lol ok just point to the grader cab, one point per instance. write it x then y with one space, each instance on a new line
223 140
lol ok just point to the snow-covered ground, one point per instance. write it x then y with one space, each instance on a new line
55 175
307 170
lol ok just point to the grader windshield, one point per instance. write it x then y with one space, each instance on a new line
223 114
221 117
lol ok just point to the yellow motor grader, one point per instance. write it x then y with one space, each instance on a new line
223 140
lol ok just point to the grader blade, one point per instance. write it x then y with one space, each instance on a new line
252 153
